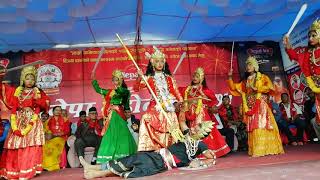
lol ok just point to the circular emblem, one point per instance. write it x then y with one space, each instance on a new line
49 78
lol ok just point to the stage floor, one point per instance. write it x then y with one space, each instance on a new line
299 162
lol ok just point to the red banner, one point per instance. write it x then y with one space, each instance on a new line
297 87
66 74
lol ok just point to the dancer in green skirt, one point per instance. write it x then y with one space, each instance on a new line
117 141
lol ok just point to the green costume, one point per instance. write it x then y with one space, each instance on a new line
117 141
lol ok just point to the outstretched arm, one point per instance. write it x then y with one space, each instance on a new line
98 89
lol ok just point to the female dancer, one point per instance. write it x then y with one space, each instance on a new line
263 133
117 141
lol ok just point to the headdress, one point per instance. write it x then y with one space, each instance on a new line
253 61
118 74
200 72
28 70
157 54
315 26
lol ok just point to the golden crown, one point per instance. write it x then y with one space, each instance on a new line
315 26
157 54
253 61
117 73
28 70
200 72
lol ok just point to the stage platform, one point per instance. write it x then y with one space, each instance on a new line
299 162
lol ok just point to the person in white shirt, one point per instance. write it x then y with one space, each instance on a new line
291 114
133 124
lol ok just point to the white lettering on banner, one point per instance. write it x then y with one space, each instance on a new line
137 105
130 76
136 101
73 108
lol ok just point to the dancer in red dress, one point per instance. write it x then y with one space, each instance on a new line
198 98
22 156
309 61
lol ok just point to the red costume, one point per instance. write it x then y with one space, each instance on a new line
308 59
197 111
154 128
197 101
22 156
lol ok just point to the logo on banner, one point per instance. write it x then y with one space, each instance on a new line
130 72
261 52
49 78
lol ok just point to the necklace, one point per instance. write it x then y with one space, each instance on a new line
313 59
191 147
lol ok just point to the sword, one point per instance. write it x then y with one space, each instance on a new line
98 60
179 62
25 65
296 20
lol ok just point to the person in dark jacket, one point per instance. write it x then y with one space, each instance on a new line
88 134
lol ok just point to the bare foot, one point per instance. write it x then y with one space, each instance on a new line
90 174
96 174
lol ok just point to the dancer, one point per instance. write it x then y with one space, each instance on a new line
117 141
263 133
154 127
22 155
180 154
309 60
198 98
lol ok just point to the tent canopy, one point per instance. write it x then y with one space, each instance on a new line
45 24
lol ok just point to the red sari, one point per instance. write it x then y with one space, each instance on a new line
22 155
197 112
54 156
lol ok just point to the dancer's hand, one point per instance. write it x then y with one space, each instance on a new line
286 42
230 74
140 73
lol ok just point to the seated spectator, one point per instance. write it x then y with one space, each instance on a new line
230 119
88 134
291 114
224 130
44 117
75 125
4 129
133 124
312 128
57 130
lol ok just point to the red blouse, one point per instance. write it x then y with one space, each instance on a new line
303 56
59 125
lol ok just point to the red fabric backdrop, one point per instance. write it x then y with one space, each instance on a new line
75 92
